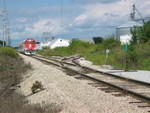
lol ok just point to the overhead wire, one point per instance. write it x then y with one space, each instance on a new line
61 17
61 13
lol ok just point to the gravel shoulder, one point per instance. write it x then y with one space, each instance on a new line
74 96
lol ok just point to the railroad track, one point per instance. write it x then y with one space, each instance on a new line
140 90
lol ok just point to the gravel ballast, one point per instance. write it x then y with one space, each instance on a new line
72 95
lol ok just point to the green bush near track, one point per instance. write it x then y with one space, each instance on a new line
138 55
7 51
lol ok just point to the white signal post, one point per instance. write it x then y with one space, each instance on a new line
107 52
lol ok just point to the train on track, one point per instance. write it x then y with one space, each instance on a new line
27 47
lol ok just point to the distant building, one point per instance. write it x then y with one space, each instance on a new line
125 29
125 39
54 43
59 43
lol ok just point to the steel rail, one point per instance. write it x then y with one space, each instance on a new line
145 98
140 96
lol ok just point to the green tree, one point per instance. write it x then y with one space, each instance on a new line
141 34
97 40
1 43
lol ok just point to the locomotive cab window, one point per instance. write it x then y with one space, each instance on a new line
31 42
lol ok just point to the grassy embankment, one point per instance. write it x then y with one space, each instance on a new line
138 55
11 69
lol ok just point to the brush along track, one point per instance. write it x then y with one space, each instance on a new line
138 89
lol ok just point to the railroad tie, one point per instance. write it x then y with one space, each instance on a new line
136 102
119 95
143 106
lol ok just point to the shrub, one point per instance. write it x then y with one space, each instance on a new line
37 85
111 42
7 51
141 34
80 47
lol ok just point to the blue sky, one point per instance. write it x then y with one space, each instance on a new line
81 18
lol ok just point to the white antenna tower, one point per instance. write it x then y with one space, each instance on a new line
46 36
6 30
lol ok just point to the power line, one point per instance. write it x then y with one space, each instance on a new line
61 17
61 13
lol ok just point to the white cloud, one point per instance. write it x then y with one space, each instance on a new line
91 1
45 25
22 19
93 17
15 35
104 14
113 14
80 19
143 7
36 29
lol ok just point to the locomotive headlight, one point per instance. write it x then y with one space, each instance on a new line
30 45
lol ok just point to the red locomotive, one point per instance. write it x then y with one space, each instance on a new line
27 47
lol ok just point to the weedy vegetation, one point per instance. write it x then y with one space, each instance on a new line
36 86
12 67
137 55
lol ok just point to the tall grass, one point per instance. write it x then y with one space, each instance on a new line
76 47
137 56
7 51
143 55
